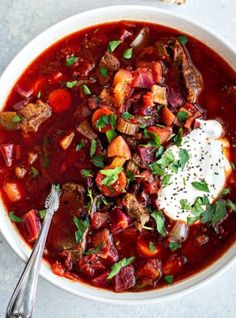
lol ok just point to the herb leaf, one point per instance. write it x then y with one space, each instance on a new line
71 84
115 268
111 175
111 134
166 180
79 146
183 158
14 218
42 214
93 148
94 250
174 246
182 116
128 53
90 195
169 279
98 161
71 60
152 247
231 205
16 119
156 169
183 39
127 115
112 45
86 173
160 222
82 227
201 186
103 71
86 90
178 138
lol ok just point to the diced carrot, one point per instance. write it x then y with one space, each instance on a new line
157 72
122 88
115 189
148 99
58 269
191 119
119 148
67 140
12 191
164 133
167 116
59 100
117 162
97 115
143 248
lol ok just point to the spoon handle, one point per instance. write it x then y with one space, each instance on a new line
21 304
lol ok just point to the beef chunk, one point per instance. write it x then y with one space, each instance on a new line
190 75
110 62
135 210
33 115
73 192
125 279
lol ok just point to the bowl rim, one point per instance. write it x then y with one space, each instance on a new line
216 270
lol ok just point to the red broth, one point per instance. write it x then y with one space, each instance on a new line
38 159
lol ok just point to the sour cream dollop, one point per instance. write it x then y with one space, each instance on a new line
208 152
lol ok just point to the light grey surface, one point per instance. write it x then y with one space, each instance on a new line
21 21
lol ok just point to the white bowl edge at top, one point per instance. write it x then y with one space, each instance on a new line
17 67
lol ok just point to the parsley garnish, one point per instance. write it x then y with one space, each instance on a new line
105 120
79 146
98 161
103 71
42 214
34 172
94 250
201 186
169 279
128 53
14 218
160 222
93 148
71 60
115 268
166 159
86 173
166 180
182 116
39 94
130 175
111 175
156 169
111 134
71 84
231 205
183 158
90 195
178 138
152 247
16 119
86 90
182 39
173 246
112 45
127 115
82 227
225 191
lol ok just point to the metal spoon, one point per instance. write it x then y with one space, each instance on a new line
22 301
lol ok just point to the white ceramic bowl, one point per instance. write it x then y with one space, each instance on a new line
16 68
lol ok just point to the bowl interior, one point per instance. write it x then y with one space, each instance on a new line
16 68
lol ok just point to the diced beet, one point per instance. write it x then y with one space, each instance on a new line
149 183
90 264
119 220
147 154
7 153
101 280
32 225
125 279
99 220
143 78
174 98
173 265
108 250
150 268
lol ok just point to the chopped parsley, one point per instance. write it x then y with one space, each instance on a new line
39 94
173 246
225 191
183 158
94 250
105 120
201 186
130 175
152 247
79 146
112 45
34 172
86 90
111 175
71 60
169 279
103 71
160 222
231 205
93 148
111 134
98 161
166 180
82 227
86 173
182 39
90 195
178 138
71 84
128 54
156 169
166 159
14 218
182 116
42 214
115 268
16 119
127 115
